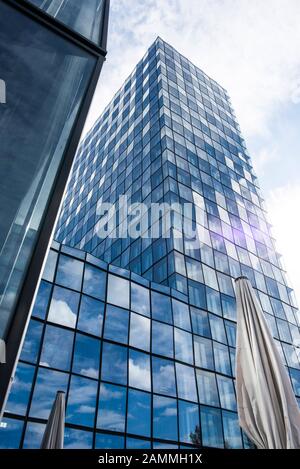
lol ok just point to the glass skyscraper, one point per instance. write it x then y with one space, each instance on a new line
139 331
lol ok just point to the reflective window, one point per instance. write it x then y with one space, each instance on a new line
217 328
203 353
69 272
229 307
139 413
139 332
20 391
226 391
137 443
57 348
140 299
86 356
114 363
222 361
49 269
183 346
139 370
231 333
181 315
77 439
10 433
207 388
165 418
118 291
163 375
42 300
91 314
34 435
32 341
161 307
104 441
47 384
211 427
116 324
162 339
189 426
63 307
81 401
197 294
295 375
232 432
112 407
83 18
200 322
186 384
210 277
94 282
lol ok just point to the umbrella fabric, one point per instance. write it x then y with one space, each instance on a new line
54 432
267 407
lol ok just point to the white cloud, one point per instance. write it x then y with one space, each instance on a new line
283 209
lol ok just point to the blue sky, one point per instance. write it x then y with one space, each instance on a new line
252 48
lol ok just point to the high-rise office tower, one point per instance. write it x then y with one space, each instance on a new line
140 330
51 55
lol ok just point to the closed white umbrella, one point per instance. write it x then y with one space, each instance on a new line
54 432
267 407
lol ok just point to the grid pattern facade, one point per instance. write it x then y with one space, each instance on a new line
143 340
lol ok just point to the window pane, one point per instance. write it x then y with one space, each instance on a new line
94 282
118 291
81 401
181 315
189 426
34 435
211 427
116 324
77 439
139 370
104 441
136 443
229 307
161 307
232 432
140 299
163 376
114 363
63 307
139 332
186 384
226 391
69 272
213 301
165 418
162 339
86 356
57 348
200 322
47 384
183 346
32 341
112 408
231 333
222 361
49 270
20 390
10 433
139 413
203 353
217 328
295 375
207 388
42 300
210 277
90 315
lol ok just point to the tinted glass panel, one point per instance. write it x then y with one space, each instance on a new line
112 408
90 315
81 401
189 427
164 418
116 324
139 413
86 356
114 363
163 375
63 307
94 283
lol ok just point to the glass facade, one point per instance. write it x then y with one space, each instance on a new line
141 333
84 17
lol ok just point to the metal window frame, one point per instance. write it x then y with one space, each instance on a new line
27 294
